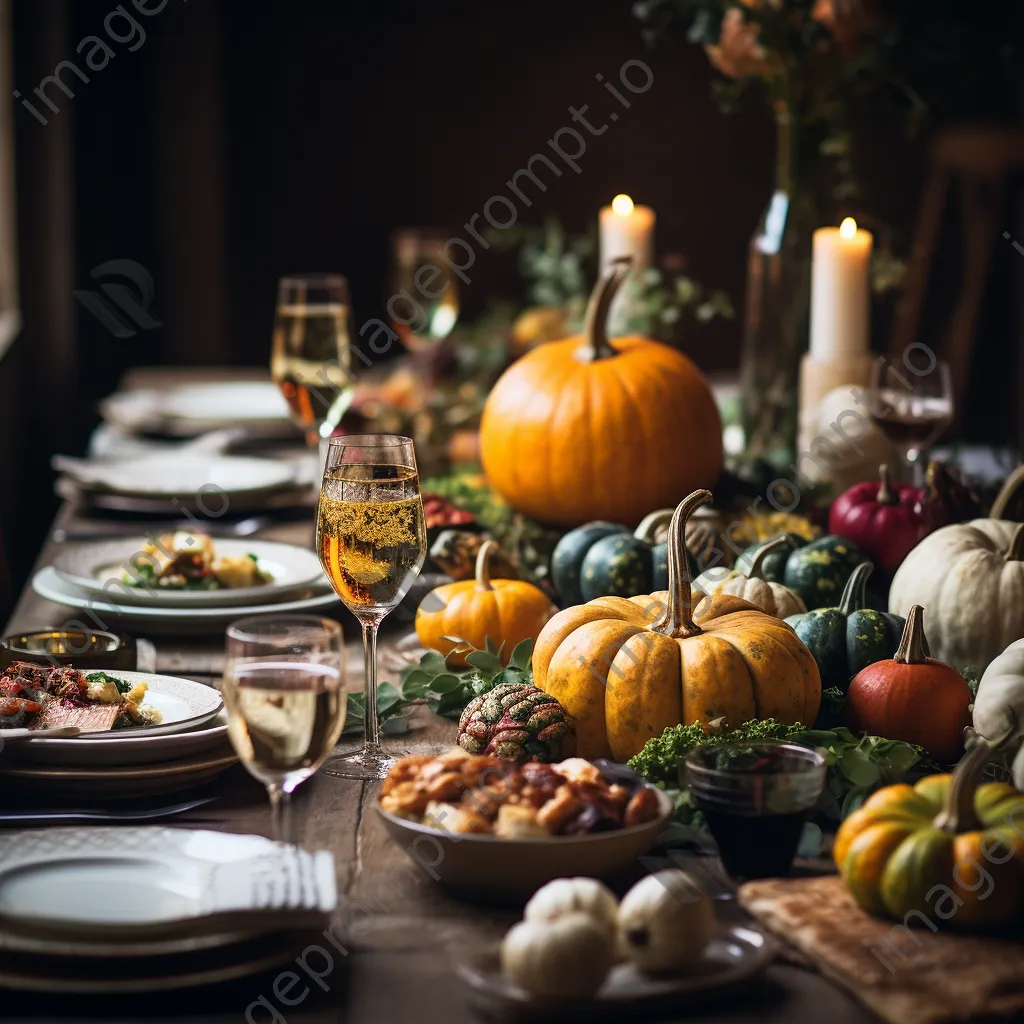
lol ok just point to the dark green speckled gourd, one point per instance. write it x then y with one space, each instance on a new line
604 559
849 637
816 570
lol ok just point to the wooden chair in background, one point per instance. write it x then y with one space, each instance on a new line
982 161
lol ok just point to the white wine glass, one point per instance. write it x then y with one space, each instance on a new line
372 542
285 696
311 353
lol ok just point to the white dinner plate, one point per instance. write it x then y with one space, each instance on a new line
121 782
49 584
195 408
183 474
113 750
99 568
150 882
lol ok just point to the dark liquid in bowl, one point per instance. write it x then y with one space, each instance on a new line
757 845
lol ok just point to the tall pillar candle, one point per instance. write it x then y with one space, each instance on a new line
626 230
840 292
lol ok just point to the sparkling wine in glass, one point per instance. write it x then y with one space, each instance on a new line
285 696
912 409
372 542
312 351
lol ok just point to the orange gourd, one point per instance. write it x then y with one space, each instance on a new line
912 698
587 428
507 611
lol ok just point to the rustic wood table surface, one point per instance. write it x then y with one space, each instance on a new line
401 932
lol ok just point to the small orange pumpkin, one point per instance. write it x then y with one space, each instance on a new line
586 428
507 611
912 698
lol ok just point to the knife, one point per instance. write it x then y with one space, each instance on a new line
28 818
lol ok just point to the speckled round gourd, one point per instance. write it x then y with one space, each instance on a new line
517 722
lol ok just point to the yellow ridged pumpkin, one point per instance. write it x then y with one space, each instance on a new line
627 669
507 611
586 428
945 848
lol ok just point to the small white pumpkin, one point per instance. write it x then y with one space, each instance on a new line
567 895
771 598
999 705
969 577
665 921
567 956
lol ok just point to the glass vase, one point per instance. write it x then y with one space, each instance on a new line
777 309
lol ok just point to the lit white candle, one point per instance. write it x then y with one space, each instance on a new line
840 293
626 230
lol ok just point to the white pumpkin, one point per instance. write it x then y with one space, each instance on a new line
665 921
999 705
567 895
969 577
567 956
771 598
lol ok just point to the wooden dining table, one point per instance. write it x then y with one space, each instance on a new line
402 934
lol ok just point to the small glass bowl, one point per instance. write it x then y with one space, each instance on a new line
84 649
755 815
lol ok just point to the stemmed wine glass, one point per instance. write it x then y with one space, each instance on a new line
312 351
372 542
912 406
284 691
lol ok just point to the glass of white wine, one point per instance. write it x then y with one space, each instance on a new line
284 691
312 351
372 542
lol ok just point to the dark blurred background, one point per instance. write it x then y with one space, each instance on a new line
248 138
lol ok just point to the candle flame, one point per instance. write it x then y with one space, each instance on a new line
622 205
848 229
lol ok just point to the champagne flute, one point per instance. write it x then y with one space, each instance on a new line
285 697
372 542
912 406
424 305
312 351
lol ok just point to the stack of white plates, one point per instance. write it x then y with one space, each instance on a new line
193 409
188 748
137 910
91 577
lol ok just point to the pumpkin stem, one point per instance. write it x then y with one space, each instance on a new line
853 598
677 619
1015 553
885 495
1007 493
652 522
911 648
959 814
595 324
758 563
483 565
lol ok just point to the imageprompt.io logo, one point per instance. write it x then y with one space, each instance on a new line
123 310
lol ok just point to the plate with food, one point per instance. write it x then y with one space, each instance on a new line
189 569
501 830
48 583
121 703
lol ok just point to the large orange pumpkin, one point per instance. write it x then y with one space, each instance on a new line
588 428
625 670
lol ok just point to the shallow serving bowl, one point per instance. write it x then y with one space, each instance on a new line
509 870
